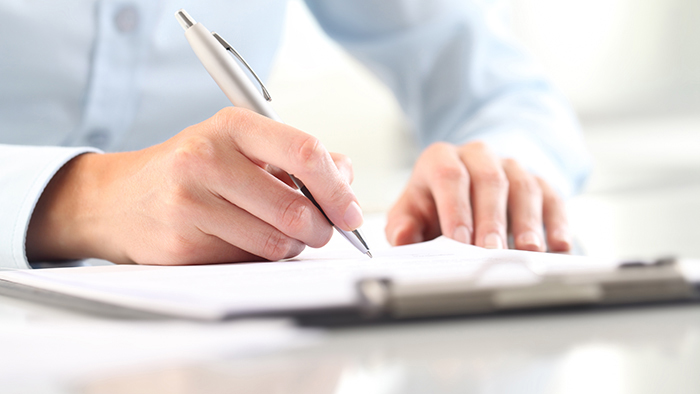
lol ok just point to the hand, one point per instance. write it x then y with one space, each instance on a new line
468 194
213 193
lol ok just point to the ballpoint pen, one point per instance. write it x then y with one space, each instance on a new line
213 51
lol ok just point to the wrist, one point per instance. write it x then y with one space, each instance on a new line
66 215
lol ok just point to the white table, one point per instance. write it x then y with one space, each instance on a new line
646 350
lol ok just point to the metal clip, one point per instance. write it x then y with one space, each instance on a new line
238 56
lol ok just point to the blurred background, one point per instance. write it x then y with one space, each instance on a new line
630 68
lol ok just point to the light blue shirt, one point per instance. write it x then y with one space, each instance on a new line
84 75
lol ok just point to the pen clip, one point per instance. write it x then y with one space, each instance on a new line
229 48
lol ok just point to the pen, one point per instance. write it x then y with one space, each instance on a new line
213 51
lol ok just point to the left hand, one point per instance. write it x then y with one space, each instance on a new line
468 194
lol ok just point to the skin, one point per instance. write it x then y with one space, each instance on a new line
216 192
212 193
470 195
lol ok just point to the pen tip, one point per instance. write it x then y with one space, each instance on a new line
369 254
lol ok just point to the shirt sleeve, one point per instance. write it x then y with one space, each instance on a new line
24 173
459 76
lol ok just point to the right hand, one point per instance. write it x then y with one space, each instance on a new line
216 192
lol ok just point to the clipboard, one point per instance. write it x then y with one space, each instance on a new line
633 283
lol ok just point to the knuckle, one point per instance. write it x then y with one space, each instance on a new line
192 153
295 216
344 165
493 178
450 172
341 159
438 149
553 200
177 202
509 162
308 151
232 121
478 146
178 250
276 246
526 184
324 239
229 118
349 174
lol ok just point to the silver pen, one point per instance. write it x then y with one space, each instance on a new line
213 51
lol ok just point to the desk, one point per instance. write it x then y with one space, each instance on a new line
649 350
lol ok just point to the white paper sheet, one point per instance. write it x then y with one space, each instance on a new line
318 279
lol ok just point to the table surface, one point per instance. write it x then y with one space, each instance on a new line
634 350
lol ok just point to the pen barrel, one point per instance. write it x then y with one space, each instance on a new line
226 72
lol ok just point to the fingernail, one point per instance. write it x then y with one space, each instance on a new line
493 241
353 216
462 235
530 240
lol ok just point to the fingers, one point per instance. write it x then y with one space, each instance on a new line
263 196
456 189
281 175
341 161
236 226
413 218
555 219
441 170
489 191
265 141
461 193
435 202
524 207
231 176
404 230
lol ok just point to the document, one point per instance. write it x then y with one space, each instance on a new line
319 279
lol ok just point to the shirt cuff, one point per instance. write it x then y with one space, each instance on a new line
24 173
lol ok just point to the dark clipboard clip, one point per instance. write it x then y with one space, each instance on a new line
630 283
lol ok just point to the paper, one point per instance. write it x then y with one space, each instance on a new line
318 279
